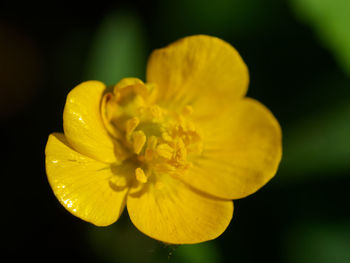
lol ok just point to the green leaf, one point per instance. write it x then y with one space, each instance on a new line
330 19
118 49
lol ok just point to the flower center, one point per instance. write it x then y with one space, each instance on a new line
155 140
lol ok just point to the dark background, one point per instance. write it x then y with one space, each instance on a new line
298 56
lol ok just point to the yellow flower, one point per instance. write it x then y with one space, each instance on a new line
175 150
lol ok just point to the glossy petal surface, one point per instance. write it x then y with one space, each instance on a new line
242 150
81 184
169 211
198 71
82 122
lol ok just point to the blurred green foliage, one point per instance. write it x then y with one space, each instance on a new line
118 50
326 242
122 242
330 19
318 144
243 18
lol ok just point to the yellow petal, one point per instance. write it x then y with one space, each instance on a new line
242 151
81 184
82 122
169 211
199 71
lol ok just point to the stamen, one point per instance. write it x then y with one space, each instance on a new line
119 181
152 142
139 140
180 152
165 150
161 140
156 112
164 168
140 175
166 137
151 145
149 153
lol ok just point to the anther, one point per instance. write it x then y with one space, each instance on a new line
151 146
152 142
140 175
139 140
166 137
118 181
165 150
156 112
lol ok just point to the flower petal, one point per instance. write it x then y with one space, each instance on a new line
242 151
198 70
169 211
82 122
82 184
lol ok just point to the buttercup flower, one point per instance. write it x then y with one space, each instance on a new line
174 150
